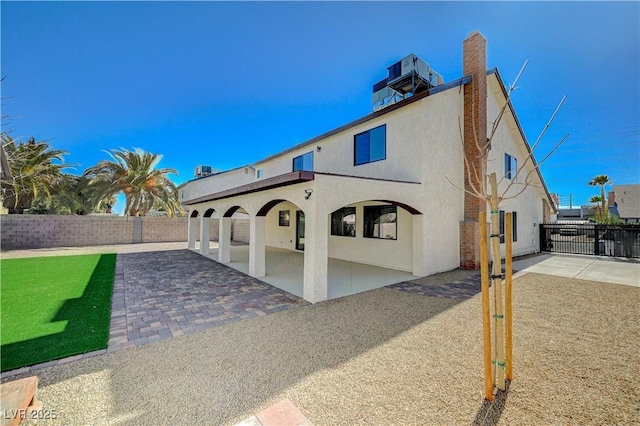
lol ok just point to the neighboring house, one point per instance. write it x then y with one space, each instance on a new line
380 190
581 213
624 202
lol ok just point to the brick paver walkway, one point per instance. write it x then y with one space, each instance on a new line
166 294
460 289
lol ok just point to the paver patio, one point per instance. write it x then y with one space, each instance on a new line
160 295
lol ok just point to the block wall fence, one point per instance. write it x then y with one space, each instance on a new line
42 231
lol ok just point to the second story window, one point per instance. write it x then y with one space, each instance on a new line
370 146
303 162
510 166
259 173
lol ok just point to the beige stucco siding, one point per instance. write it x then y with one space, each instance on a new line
424 130
395 254
216 183
281 236
441 202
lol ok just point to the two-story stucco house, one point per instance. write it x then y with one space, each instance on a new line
379 190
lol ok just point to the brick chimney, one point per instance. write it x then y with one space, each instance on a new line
475 118
611 199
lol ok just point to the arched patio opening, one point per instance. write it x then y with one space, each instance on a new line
277 244
227 224
372 244
192 229
205 232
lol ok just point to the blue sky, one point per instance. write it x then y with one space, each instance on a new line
228 83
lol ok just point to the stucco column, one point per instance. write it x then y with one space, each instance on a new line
204 235
224 240
419 260
192 229
315 285
257 226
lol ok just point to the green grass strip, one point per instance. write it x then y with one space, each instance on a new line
54 307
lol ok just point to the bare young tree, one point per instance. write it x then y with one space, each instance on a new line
487 188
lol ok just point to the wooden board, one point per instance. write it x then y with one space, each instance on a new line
15 397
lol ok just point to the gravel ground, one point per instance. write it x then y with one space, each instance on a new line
380 357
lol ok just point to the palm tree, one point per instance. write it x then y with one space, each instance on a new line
596 200
134 174
33 172
601 181
72 196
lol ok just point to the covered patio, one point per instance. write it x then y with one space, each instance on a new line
285 270
295 244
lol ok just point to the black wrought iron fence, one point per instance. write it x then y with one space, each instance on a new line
600 240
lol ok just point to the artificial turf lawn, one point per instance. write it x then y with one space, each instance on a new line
54 307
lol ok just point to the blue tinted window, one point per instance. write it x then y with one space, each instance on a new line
303 162
378 144
297 163
363 148
510 166
370 146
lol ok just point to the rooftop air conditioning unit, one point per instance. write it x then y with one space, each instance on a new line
202 171
406 78
409 74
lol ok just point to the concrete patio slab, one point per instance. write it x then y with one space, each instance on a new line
591 268
285 270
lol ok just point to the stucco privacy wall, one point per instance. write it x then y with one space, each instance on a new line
41 231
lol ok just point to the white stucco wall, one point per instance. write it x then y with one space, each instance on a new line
442 171
336 152
528 204
281 236
394 254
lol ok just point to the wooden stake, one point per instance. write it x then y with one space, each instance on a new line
508 294
497 282
486 316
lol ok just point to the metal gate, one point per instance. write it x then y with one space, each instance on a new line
594 239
